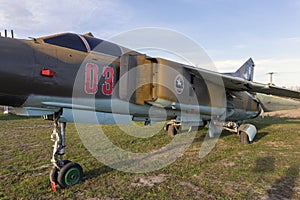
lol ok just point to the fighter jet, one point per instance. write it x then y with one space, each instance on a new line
60 75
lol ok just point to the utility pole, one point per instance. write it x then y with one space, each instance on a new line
271 78
6 110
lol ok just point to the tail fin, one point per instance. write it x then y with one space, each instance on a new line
246 70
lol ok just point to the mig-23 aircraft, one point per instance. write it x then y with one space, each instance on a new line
55 76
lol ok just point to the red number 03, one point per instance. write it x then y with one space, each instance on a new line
92 79
107 86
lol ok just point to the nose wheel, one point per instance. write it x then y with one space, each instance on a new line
70 174
64 172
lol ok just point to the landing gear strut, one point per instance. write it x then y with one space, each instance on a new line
64 172
173 128
246 132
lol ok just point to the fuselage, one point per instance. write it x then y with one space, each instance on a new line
81 72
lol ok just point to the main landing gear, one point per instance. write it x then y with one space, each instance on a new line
64 172
246 132
173 128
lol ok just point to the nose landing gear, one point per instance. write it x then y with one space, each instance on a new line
64 172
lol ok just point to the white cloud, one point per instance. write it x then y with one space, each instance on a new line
287 69
44 17
229 65
14 15
291 40
240 46
284 65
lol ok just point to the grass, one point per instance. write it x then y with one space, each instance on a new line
269 167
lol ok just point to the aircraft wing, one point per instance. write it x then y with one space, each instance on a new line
240 84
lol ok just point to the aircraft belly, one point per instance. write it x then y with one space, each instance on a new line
92 117
241 114
10 100
34 111
241 106
48 104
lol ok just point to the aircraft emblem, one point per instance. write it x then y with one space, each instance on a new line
179 84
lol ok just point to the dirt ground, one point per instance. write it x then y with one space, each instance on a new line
285 114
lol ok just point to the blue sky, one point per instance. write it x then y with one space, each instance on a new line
230 31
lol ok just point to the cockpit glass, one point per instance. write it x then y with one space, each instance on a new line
67 40
73 41
103 46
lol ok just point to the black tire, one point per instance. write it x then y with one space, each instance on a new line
172 130
54 172
53 175
244 138
166 128
70 174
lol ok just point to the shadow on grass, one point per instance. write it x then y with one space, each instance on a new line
265 165
260 135
284 188
97 172
224 134
7 117
259 123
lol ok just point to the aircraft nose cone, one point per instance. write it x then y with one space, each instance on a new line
16 63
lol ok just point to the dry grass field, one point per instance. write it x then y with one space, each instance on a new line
266 169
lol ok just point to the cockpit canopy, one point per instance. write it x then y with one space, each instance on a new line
83 43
